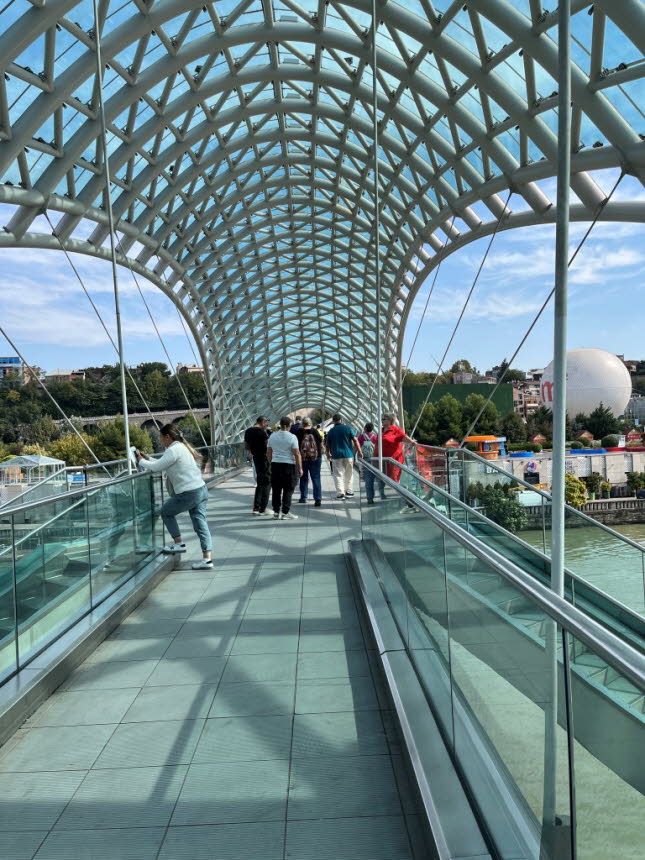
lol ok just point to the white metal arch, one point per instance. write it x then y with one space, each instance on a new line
240 144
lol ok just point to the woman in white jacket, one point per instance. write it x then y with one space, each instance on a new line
188 492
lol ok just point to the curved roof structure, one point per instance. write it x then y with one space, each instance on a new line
241 151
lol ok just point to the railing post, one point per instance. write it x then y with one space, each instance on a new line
15 590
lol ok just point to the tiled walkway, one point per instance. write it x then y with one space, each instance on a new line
236 715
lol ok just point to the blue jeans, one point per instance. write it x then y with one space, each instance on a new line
195 502
370 477
311 467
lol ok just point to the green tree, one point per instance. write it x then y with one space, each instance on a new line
514 428
449 418
541 422
109 442
488 422
462 365
575 492
426 431
40 431
602 422
155 389
70 449
422 377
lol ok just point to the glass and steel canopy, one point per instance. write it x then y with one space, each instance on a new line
240 138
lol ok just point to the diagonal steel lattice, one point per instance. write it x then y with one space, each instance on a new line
240 144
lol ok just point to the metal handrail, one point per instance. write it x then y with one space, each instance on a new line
491 465
621 656
505 533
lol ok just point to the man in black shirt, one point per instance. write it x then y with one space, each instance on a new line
255 441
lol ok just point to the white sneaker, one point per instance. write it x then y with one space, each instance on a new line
348 493
264 513
172 548
255 513
288 516
276 516
340 495
203 564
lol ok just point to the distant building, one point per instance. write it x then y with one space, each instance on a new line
64 375
189 368
11 366
464 377
636 409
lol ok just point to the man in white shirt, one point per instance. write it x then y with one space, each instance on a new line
286 469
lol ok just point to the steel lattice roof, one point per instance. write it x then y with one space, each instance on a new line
240 142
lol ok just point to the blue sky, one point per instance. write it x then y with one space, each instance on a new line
46 313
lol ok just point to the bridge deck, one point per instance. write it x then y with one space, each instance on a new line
235 715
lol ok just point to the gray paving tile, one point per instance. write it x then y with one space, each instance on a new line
356 694
270 624
342 787
20 846
83 708
331 640
270 589
135 844
229 792
339 734
130 649
273 606
138 629
237 700
333 664
256 643
348 839
214 608
197 628
57 748
248 841
183 702
123 798
153 744
187 670
260 667
314 589
153 612
33 801
335 606
201 646
323 623
248 738
109 676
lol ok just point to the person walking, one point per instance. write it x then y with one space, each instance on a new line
297 424
188 492
392 438
368 441
341 445
286 468
255 441
311 448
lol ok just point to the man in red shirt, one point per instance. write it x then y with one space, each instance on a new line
393 438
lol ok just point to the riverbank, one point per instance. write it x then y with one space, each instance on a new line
609 512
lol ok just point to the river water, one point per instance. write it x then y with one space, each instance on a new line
605 561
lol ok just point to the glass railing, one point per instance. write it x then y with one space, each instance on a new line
216 461
622 619
597 554
540 707
60 557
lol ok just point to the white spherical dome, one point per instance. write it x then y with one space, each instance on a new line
594 376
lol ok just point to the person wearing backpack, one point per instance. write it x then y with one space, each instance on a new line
367 440
311 447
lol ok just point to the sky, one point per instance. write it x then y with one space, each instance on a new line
44 310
